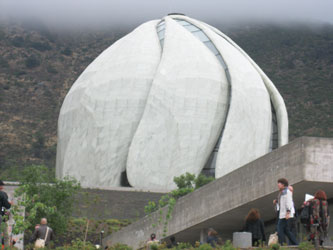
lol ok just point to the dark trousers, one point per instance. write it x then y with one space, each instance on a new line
283 231
293 226
257 242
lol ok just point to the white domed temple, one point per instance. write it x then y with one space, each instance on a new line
173 96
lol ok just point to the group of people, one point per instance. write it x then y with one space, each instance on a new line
42 233
153 241
286 226
212 239
316 226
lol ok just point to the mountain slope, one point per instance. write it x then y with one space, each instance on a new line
38 66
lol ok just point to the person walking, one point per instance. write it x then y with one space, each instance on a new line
286 211
292 224
255 225
320 218
4 204
42 233
292 221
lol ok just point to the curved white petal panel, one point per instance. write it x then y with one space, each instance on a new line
184 113
246 135
250 105
103 108
276 98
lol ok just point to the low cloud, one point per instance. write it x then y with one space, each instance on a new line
134 12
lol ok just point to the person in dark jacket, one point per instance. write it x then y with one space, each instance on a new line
254 225
173 242
212 237
4 204
40 232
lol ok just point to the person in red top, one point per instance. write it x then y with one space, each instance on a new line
320 218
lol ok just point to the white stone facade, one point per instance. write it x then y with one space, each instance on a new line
155 104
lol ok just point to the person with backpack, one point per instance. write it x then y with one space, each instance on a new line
319 218
305 214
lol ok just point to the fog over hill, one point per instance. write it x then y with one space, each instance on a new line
131 13
39 62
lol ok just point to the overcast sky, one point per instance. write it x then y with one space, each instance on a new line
134 12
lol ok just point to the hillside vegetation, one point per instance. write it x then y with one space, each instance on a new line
38 65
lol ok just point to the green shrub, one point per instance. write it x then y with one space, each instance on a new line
32 62
120 246
153 247
18 41
275 247
184 245
78 222
77 244
202 180
51 69
67 51
151 207
184 181
19 73
228 246
3 63
40 46
186 184
305 245
46 197
39 144
205 247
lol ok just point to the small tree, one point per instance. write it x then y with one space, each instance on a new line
184 181
41 195
186 184
202 180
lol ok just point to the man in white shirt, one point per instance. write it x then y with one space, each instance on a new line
286 211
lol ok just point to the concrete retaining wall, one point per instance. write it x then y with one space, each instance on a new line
118 203
306 162
113 203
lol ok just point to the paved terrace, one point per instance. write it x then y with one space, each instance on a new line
306 162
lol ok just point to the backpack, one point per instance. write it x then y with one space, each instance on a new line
306 213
